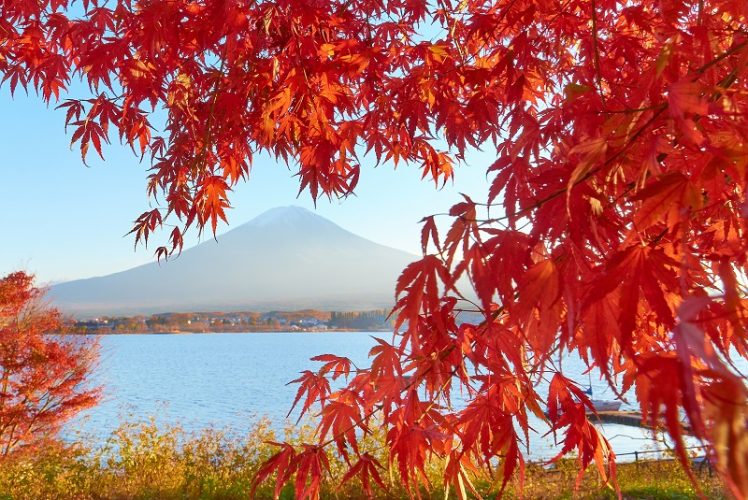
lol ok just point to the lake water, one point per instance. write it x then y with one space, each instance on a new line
229 381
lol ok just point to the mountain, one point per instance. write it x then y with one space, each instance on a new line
287 258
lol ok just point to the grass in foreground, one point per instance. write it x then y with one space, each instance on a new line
141 461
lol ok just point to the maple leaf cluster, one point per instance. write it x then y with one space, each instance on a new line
613 224
43 377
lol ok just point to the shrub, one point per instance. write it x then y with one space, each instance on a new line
43 377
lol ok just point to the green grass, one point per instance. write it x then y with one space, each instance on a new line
142 461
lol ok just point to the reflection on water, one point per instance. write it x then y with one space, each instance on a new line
232 380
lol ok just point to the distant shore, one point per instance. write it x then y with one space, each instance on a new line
237 332
308 320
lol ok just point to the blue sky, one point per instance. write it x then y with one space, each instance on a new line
63 220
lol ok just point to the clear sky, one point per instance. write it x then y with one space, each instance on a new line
63 220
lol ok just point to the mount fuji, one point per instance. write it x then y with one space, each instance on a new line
285 259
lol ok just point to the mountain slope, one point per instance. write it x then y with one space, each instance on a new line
286 258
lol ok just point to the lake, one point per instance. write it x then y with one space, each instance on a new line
229 381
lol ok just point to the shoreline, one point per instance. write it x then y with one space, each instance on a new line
237 332
305 320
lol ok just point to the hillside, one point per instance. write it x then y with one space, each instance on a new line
286 258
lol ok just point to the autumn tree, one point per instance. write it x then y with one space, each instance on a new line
43 377
613 223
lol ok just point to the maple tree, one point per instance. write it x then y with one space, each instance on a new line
43 377
613 224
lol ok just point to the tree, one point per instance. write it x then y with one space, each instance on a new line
613 224
43 378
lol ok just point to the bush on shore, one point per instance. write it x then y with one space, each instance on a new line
143 461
